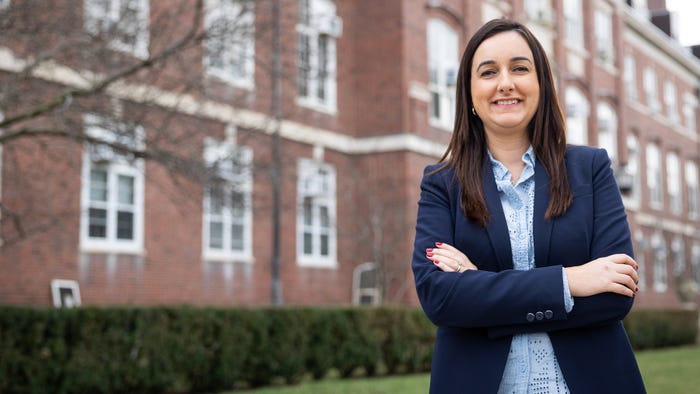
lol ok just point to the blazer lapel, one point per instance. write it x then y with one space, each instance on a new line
497 227
542 227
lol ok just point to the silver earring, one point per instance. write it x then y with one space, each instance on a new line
473 111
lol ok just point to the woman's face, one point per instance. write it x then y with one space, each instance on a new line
504 86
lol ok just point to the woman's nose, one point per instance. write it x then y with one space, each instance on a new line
505 83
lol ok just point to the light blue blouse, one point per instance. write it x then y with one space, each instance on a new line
532 366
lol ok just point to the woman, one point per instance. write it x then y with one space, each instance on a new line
522 249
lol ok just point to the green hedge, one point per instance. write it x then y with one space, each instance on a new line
653 328
183 349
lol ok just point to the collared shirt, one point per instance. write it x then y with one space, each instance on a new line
532 366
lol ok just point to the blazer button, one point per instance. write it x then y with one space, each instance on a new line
548 314
530 317
539 315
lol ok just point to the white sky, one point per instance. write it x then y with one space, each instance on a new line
687 12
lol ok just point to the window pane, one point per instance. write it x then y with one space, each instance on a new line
216 201
237 204
325 221
126 190
308 211
237 237
304 65
98 223
322 67
216 235
98 185
308 243
324 245
125 225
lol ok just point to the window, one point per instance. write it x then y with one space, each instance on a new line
673 183
229 47
671 102
695 261
228 218
604 36
316 231
317 30
640 258
690 105
539 10
573 20
607 130
112 188
125 22
577 109
660 274
4 4
443 64
691 181
366 288
650 90
678 251
654 180
632 168
630 77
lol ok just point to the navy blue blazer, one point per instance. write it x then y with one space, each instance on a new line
477 312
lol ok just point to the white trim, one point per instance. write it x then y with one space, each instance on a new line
209 109
62 284
673 226
323 195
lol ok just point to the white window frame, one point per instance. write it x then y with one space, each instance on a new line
115 165
539 11
65 293
231 167
577 110
671 102
630 77
678 253
573 22
99 20
673 183
695 261
316 68
640 258
443 64
654 176
316 181
633 167
604 36
690 105
230 37
693 186
358 292
651 90
4 4
607 130
658 245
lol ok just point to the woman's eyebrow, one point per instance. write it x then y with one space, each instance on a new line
513 59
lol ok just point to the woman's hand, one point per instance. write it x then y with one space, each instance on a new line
449 258
616 273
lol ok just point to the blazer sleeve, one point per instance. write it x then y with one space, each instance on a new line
610 235
475 298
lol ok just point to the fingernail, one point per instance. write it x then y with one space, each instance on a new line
436 262
636 289
429 254
438 243
429 250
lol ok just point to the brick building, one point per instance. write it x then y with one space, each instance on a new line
159 186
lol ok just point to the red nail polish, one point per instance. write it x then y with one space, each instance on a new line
438 243
437 262
429 254
636 289
429 250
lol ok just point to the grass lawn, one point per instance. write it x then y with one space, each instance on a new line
674 370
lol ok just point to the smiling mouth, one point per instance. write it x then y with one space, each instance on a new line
507 102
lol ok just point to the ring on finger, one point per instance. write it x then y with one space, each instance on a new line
459 267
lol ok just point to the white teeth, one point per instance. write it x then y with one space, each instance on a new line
506 102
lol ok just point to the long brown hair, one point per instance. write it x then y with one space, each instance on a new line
467 149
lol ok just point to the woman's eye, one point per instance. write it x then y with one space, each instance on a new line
521 69
488 73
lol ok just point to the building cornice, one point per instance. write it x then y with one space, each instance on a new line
210 109
666 44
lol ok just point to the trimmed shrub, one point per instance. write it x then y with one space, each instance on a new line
653 328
